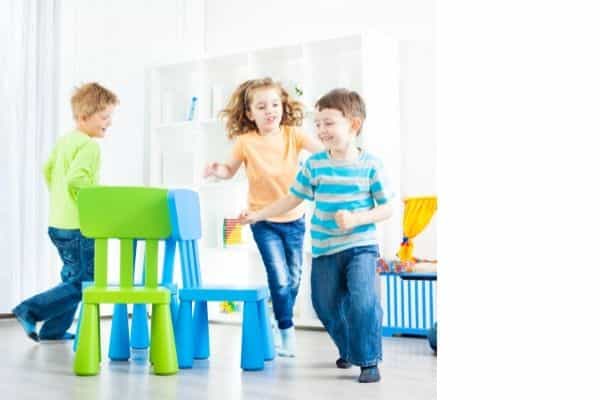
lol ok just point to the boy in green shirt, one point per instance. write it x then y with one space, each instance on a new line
73 164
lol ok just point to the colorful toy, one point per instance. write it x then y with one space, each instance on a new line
228 307
232 232
382 266
417 214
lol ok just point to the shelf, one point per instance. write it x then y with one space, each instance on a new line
188 124
221 184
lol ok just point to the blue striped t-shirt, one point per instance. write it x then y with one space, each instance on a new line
336 185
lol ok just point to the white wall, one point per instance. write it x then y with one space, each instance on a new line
234 25
417 96
113 42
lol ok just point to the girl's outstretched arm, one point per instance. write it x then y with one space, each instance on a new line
312 144
222 170
272 210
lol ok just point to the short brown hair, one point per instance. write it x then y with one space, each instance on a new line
237 122
90 98
348 102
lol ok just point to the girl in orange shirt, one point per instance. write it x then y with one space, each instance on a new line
263 120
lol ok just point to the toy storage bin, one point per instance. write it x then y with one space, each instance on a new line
408 301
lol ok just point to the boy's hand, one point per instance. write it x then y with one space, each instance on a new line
247 217
346 220
211 169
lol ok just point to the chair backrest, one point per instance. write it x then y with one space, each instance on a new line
124 213
184 212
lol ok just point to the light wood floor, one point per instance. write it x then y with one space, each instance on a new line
44 371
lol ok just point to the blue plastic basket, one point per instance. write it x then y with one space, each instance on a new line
408 302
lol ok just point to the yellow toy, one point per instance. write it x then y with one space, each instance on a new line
228 307
417 214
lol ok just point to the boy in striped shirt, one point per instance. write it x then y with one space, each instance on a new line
350 193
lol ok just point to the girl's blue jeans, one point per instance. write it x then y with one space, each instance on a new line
280 245
346 300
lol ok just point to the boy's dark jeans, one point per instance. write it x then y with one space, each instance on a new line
345 297
56 307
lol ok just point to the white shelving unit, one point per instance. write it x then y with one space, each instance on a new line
178 148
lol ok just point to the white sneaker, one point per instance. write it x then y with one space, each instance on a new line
276 333
288 342
276 337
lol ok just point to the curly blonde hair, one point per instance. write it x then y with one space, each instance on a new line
234 114
90 98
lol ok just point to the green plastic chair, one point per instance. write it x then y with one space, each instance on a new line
125 213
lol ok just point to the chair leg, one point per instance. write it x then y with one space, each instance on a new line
253 357
99 341
266 331
200 331
87 359
119 334
174 309
76 340
162 341
183 335
84 285
139 327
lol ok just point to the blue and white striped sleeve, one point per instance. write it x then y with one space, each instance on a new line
380 184
303 187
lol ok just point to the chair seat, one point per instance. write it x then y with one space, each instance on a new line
224 293
171 286
134 295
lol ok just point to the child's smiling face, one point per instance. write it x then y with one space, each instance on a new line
334 129
96 124
266 109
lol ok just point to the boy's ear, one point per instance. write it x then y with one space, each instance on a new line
355 123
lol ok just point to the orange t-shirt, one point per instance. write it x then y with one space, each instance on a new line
271 164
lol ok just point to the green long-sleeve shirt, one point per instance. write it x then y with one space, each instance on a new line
73 163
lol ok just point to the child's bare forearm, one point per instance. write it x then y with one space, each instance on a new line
377 214
279 207
223 171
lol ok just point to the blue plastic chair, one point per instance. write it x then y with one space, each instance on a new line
192 333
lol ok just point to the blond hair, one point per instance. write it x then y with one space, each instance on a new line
237 122
348 102
90 98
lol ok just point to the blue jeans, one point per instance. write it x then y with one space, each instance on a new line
57 306
346 300
280 245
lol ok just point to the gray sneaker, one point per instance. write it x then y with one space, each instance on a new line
369 374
